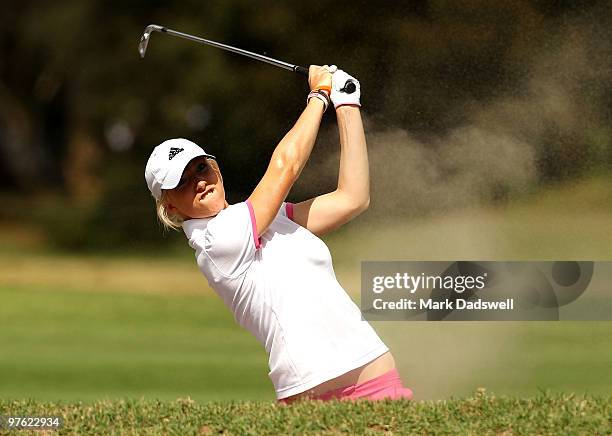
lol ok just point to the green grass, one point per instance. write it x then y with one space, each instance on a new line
481 413
58 344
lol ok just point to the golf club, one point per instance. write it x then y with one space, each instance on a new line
349 86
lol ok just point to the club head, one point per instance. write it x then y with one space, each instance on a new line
144 39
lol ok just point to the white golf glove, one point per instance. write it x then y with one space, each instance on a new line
338 97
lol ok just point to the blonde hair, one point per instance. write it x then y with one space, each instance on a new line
170 221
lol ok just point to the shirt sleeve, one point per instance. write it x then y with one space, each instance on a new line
287 210
231 239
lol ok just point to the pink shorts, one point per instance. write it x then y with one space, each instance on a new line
387 385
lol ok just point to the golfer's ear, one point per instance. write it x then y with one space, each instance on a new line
170 207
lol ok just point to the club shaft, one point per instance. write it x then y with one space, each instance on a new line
262 58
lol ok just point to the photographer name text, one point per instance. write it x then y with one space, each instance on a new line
429 304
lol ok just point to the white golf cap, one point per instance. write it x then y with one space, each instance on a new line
167 162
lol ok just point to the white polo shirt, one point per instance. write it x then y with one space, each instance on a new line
281 286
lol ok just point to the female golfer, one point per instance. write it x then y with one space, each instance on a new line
264 258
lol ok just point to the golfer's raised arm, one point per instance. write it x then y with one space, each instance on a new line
329 211
354 173
290 155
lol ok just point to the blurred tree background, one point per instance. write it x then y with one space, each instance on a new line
80 111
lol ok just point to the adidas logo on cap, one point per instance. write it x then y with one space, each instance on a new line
174 151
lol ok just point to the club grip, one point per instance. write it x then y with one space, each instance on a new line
301 70
349 86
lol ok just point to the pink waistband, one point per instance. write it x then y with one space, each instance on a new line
389 378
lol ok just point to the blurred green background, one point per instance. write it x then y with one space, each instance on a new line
489 128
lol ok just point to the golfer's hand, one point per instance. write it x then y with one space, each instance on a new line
319 77
339 98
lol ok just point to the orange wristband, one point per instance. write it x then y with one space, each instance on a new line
324 88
